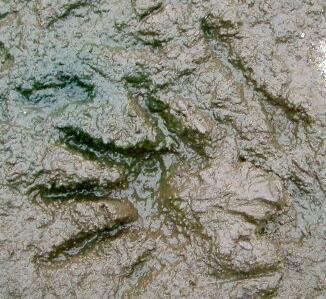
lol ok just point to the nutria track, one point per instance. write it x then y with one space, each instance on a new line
156 149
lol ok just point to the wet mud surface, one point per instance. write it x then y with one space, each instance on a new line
166 149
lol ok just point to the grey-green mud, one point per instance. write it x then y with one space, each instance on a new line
156 149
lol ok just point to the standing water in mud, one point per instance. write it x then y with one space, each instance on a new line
156 149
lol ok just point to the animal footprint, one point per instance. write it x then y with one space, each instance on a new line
223 209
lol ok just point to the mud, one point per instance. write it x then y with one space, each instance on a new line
162 149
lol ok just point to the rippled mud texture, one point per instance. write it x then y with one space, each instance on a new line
162 149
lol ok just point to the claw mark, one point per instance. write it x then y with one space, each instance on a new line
144 12
68 9
6 60
81 243
96 148
72 86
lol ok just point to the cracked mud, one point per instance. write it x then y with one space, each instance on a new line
162 149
